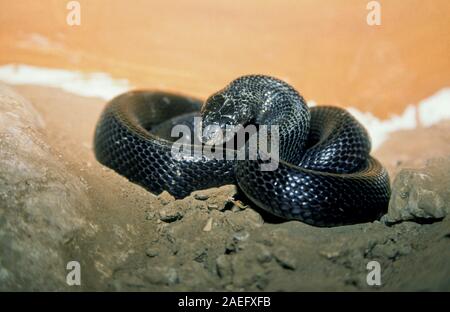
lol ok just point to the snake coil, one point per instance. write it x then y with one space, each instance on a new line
325 174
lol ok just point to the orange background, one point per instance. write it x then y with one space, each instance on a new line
323 47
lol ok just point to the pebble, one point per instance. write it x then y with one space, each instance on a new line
165 198
420 194
151 253
264 256
241 236
172 277
208 225
212 206
330 254
201 255
285 260
201 196
170 214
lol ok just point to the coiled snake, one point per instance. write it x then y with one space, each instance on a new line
325 175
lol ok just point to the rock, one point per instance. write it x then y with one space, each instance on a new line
200 196
244 219
172 276
421 194
264 255
285 259
216 198
208 225
213 206
201 255
241 236
330 255
170 213
41 202
165 198
151 253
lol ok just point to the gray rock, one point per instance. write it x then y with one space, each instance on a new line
285 259
419 194
151 252
213 206
170 213
241 236
165 198
200 196
41 202
264 256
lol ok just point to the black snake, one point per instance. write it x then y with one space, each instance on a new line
325 175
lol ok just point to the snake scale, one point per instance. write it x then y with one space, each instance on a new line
325 174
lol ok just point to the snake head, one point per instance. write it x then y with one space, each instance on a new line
221 117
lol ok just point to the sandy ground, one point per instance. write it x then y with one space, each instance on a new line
134 240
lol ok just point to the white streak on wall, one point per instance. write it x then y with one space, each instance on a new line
93 84
435 108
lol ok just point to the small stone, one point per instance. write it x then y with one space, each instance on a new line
201 255
151 253
165 198
241 236
208 225
172 277
420 194
201 196
170 214
213 206
330 254
264 256
285 260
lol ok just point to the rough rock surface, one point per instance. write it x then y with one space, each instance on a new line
41 202
57 204
421 194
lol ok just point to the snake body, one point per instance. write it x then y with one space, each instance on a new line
325 175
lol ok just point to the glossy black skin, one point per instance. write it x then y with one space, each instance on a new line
325 176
